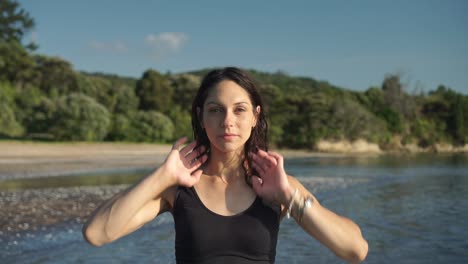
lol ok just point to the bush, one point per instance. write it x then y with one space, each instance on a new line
8 124
79 117
152 126
182 122
352 121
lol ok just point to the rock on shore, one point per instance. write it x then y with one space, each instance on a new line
29 210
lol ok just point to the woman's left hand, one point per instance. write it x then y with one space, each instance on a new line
271 183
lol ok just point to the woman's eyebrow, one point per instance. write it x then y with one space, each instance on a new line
238 103
217 103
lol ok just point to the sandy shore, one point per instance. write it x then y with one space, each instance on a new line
29 210
28 159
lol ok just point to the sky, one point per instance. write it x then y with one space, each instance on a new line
351 44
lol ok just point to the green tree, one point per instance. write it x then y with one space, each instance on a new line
79 118
446 109
126 100
396 97
152 126
16 65
121 129
350 120
458 121
116 94
307 122
41 119
14 22
182 122
426 132
274 109
9 126
57 76
154 92
185 87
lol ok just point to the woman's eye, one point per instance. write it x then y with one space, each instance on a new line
240 110
214 110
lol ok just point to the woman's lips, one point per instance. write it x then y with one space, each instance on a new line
228 136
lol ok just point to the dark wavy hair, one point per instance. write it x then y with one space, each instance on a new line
258 138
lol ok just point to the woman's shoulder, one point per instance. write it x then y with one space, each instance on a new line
169 195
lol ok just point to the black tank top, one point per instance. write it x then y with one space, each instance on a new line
203 236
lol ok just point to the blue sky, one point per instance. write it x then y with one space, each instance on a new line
352 44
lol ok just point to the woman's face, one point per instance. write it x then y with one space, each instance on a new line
228 116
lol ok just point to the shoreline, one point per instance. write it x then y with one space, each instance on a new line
30 210
37 159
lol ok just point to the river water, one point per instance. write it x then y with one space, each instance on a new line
411 209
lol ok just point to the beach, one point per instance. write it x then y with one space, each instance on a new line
408 206
33 209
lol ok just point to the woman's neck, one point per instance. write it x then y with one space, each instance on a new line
226 165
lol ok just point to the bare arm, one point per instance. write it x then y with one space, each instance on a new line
338 233
139 204
128 210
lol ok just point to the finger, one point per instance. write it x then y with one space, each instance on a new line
188 148
256 164
278 157
257 185
267 156
258 168
196 163
264 162
179 142
195 153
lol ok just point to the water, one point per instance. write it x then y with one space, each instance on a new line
411 209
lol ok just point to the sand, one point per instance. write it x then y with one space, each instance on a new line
29 159
29 210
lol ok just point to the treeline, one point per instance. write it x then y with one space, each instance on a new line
44 98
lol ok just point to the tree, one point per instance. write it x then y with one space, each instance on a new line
307 123
182 122
9 125
457 121
57 76
14 23
447 110
126 100
79 117
185 87
26 100
273 108
41 119
152 126
154 91
350 120
16 66
121 129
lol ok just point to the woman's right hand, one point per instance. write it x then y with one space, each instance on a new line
182 164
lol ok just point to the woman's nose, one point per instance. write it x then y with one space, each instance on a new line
228 119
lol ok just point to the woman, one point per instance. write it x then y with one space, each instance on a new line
226 192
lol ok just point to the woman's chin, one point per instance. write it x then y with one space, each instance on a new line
227 147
